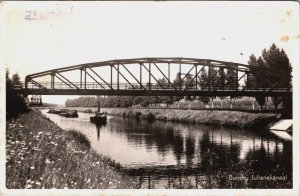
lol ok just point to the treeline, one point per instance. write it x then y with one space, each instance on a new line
15 103
115 101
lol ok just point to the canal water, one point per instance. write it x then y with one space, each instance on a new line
174 155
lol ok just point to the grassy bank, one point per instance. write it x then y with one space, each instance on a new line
216 117
41 155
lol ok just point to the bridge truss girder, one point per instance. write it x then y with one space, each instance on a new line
144 63
222 78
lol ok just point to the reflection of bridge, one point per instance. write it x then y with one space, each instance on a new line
147 77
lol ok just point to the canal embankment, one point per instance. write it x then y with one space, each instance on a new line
237 119
39 154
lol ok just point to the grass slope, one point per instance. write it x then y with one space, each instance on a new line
41 155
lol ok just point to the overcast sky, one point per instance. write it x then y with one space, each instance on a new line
45 35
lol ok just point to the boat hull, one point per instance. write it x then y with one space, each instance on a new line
53 111
98 119
69 114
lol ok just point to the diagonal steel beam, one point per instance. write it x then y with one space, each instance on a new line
188 72
101 78
68 80
241 77
63 81
140 82
95 80
152 76
165 76
123 76
37 84
194 77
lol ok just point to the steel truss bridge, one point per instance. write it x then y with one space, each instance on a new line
148 77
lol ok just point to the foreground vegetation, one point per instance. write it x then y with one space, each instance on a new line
41 155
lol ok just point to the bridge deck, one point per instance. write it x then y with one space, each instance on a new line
155 92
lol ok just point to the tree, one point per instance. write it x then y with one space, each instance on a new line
189 83
279 67
220 83
161 99
178 84
15 103
16 79
203 80
214 78
272 70
276 101
231 79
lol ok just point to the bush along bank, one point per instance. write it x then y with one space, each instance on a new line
235 119
41 155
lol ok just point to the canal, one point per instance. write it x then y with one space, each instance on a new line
173 155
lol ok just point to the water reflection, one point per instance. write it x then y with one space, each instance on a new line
98 127
173 155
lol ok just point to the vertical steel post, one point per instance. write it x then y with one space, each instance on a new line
84 78
222 78
141 76
237 78
118 77
52 79
196 75
81 78
149 75
180 76
111 75
209 78
169 74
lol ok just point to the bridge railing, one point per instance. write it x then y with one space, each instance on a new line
143 86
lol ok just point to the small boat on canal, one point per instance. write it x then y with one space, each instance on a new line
99 118
54 111
69 114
